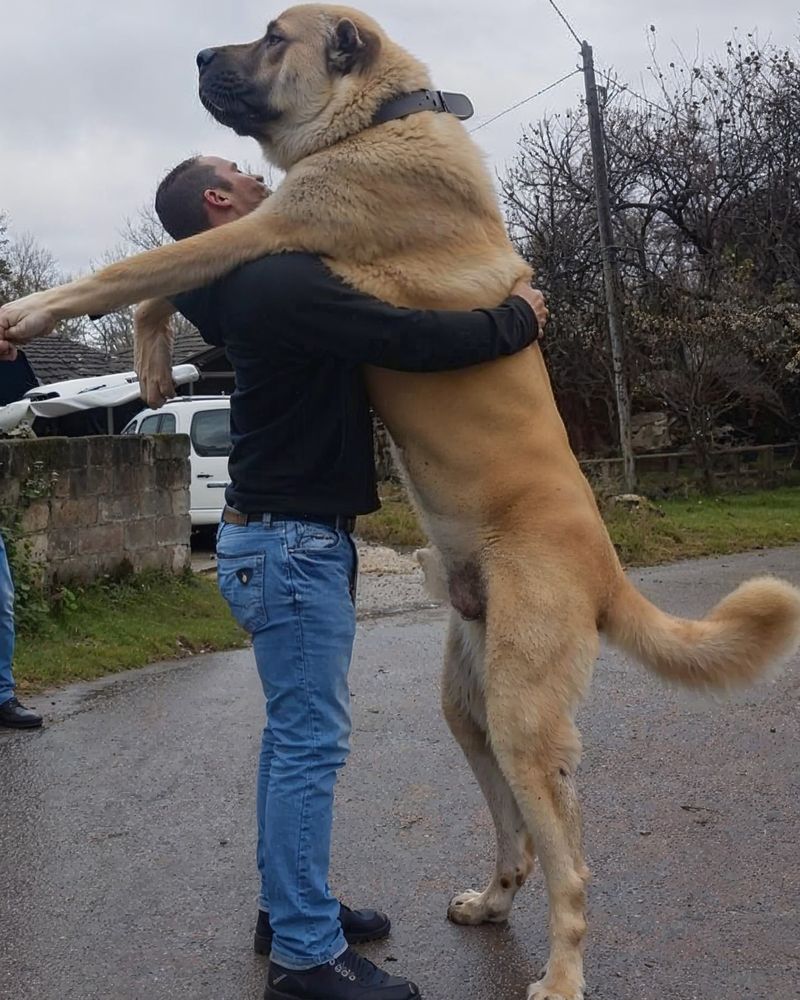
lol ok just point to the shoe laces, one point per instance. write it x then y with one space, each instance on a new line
354 967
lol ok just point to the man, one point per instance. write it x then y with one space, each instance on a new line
13 715
301 468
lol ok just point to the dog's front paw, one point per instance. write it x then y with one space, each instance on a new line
156 385
153 363
26 319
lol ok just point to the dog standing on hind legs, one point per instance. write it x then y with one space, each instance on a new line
404 209
513 679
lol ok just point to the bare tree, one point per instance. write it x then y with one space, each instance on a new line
33 268
143 231
705 193
5 267
26 267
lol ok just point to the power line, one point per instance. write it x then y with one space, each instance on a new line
525 100
564 19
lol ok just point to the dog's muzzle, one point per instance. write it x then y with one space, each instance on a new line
230 97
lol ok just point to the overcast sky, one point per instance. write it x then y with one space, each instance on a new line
99 98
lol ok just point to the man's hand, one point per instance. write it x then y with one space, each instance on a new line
535 300
23 320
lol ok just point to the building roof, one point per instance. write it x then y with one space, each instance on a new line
188 344
55 359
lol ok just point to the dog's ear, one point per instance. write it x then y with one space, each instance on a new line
351 47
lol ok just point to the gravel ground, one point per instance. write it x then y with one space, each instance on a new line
389 581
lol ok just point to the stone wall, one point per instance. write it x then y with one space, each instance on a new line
92 506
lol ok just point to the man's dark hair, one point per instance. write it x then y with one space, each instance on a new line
179 199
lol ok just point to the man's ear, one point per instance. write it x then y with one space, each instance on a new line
216 198
351 47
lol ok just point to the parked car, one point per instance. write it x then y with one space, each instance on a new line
207 422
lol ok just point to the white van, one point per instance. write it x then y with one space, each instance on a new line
207 422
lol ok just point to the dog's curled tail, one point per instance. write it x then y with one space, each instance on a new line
747 632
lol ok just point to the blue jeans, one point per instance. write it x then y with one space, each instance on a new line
6 627
290 584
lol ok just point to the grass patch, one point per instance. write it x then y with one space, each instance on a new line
117 626
111 627
395 524
705 526
701 526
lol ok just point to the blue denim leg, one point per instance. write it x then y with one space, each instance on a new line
262 784
6 627
289 585
264 766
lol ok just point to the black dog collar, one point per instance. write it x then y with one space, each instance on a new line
424 100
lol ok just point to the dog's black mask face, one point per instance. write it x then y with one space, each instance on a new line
230 91
291 73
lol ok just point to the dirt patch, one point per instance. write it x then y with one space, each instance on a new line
389 581
381 559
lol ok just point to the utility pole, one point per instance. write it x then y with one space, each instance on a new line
610 268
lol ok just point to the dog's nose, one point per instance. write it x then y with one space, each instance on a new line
205 57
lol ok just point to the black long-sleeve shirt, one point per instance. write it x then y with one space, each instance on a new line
296 336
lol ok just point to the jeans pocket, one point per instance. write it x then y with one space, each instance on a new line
241 583
312 537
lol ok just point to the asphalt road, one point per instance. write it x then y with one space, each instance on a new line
126 840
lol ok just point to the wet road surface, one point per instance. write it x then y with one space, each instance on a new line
126 838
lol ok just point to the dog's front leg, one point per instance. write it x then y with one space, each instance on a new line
152 351
164 271
433 569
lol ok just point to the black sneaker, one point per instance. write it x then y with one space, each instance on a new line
16 716
358 926
349 977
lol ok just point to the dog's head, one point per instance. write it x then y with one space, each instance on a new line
319 72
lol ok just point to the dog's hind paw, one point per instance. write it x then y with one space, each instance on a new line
472 907
541 991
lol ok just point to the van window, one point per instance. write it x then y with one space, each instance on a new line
211 433
158 423
168 424
131 428
150 424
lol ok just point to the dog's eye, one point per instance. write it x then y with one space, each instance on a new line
273 39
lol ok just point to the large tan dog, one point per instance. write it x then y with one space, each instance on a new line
406 210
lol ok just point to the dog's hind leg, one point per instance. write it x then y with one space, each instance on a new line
465 711
534 678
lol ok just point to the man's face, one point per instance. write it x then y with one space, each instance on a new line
243 192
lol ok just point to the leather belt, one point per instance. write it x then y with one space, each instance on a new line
340 522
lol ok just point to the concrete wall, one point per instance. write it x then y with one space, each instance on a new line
91 506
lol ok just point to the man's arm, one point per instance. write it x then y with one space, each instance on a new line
326 317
